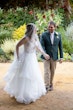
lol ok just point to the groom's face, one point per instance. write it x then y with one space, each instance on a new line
51 28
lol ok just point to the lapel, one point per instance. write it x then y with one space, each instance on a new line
54 38
49 38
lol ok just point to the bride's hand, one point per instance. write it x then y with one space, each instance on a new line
47 57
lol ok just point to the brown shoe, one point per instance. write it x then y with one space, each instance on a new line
47 89
51 88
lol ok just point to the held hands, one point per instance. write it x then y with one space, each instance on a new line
47 57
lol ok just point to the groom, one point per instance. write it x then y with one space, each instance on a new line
51 43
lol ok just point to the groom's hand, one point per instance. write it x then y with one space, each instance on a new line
47 57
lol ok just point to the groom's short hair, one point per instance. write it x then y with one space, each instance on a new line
52 23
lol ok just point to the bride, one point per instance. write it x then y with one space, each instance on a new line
24 80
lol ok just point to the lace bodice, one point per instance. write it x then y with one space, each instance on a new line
33 44
30 46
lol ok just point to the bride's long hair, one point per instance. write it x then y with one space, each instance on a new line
29 30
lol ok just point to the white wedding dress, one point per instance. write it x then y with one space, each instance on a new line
24 79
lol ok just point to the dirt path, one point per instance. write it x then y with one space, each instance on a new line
61 98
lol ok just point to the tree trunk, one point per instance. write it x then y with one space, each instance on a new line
46 4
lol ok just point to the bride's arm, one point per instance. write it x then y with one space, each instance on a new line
21 42
40 49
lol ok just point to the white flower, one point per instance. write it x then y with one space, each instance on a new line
57 34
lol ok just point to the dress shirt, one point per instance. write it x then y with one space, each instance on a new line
52 37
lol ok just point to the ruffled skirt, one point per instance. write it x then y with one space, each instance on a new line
24 79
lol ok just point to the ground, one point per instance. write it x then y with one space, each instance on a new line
61 98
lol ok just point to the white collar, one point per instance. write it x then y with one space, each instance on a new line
52 33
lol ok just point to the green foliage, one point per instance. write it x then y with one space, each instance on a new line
7 50
16 17
1 52
13 19
19 32
3 57
1 12
6 32
3 35
69 31
39 57
67 44
71 1
2 21
8 46
44 17
66 56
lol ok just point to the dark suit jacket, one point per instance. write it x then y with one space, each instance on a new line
52 49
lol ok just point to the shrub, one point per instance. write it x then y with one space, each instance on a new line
69 31
67 44
19 33
3 57
67 56
44 17
7 50
8 46
5 34
1 12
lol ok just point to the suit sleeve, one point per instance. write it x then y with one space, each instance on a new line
60 48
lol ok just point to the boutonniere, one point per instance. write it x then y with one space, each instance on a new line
57 35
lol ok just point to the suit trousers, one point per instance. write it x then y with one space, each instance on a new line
49 71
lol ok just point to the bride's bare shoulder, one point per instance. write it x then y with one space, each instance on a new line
26 39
